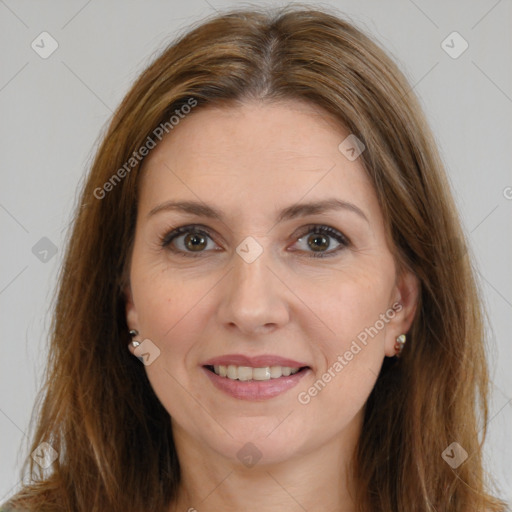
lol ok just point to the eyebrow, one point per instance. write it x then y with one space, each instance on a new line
291 212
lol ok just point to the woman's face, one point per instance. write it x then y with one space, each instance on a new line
260 278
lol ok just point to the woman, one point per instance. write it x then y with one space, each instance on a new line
265 304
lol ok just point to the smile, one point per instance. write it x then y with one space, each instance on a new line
247 373
254 384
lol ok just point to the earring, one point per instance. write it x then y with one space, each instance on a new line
399 345
134 343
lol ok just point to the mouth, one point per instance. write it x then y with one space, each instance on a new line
248 373
254 383
256 378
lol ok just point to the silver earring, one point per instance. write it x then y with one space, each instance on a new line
399 345
133 333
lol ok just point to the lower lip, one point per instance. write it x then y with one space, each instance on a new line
255 389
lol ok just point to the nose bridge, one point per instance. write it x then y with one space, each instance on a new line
254 297
250 268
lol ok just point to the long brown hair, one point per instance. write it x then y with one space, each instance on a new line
98 410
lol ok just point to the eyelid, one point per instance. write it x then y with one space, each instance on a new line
324 229
174 232
321 228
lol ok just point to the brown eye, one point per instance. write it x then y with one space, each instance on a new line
186 240
195 242
319 240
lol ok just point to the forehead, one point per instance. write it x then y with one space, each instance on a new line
284 125
255 154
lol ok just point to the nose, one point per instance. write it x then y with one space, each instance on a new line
253 296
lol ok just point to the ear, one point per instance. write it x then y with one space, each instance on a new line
132 319
406 295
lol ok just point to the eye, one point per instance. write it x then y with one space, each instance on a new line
318 240
187 240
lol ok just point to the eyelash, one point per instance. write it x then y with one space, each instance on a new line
170 236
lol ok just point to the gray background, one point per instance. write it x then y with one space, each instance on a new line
54 111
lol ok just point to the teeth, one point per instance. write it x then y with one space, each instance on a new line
261 373
275 372
245 373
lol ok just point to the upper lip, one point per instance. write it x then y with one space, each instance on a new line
254 362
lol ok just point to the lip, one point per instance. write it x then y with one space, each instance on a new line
253 362
255 390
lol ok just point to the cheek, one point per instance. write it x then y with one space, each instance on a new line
347 302
169 313
160 296
353 311
173 312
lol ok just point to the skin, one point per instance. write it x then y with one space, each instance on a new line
251 161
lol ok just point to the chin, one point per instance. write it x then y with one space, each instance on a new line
261 440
